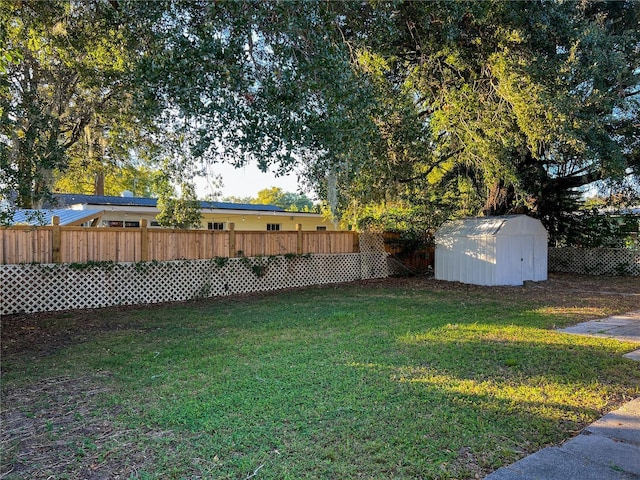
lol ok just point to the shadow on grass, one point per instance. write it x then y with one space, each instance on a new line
317 385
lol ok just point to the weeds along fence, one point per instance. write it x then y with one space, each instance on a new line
64 268
48 287
61 244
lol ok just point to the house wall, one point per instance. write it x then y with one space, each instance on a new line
254 221
258 221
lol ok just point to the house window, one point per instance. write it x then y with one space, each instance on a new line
321 228
132 224
115 223
215 226
155 224
273 227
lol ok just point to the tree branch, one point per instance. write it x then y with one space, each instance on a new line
432 167
571 181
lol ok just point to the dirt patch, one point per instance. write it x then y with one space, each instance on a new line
54 429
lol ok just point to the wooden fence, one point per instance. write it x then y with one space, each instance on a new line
58 244
415 255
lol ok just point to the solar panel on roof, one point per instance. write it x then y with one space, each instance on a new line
65 199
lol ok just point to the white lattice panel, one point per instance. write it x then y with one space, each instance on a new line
372 243
37 288
595 261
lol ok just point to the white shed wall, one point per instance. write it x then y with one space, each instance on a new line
541 258
521 258
504 251
467 260
515 259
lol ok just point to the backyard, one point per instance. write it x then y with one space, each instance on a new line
395 378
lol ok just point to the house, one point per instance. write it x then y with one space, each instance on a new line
128 211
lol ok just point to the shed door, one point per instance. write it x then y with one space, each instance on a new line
526 258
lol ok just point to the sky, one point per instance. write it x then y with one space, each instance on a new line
247 181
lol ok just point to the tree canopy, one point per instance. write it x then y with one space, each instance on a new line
66 94
502 106
438 108
295 202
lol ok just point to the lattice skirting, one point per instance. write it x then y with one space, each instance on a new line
595 261
39 288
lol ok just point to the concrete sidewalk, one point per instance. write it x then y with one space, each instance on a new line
624 327
608 449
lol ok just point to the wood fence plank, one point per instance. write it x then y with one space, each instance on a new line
82 244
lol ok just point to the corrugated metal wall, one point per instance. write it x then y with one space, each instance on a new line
500 254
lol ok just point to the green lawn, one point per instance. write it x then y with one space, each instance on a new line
351 381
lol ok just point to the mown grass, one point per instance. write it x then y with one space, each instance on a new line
335 382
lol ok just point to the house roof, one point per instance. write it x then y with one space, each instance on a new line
491 226
66 199
44 216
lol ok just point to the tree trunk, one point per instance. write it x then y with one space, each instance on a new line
500 200
99 184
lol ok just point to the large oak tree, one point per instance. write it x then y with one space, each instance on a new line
448 107
500 106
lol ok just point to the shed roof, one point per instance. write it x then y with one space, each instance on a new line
65 199
491 226
44 216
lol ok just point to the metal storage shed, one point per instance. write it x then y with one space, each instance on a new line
491 250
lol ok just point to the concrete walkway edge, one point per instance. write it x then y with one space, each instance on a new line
608 449
625 327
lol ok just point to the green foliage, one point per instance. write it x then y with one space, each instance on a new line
293 202
445 108
259 265
269 81
79 178
221 262
66 94
233 199
178 211
106 265
145 266
523 102
71 104
593 229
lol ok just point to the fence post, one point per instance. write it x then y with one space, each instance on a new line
144 241
356 242
299 239
232 240
56 252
